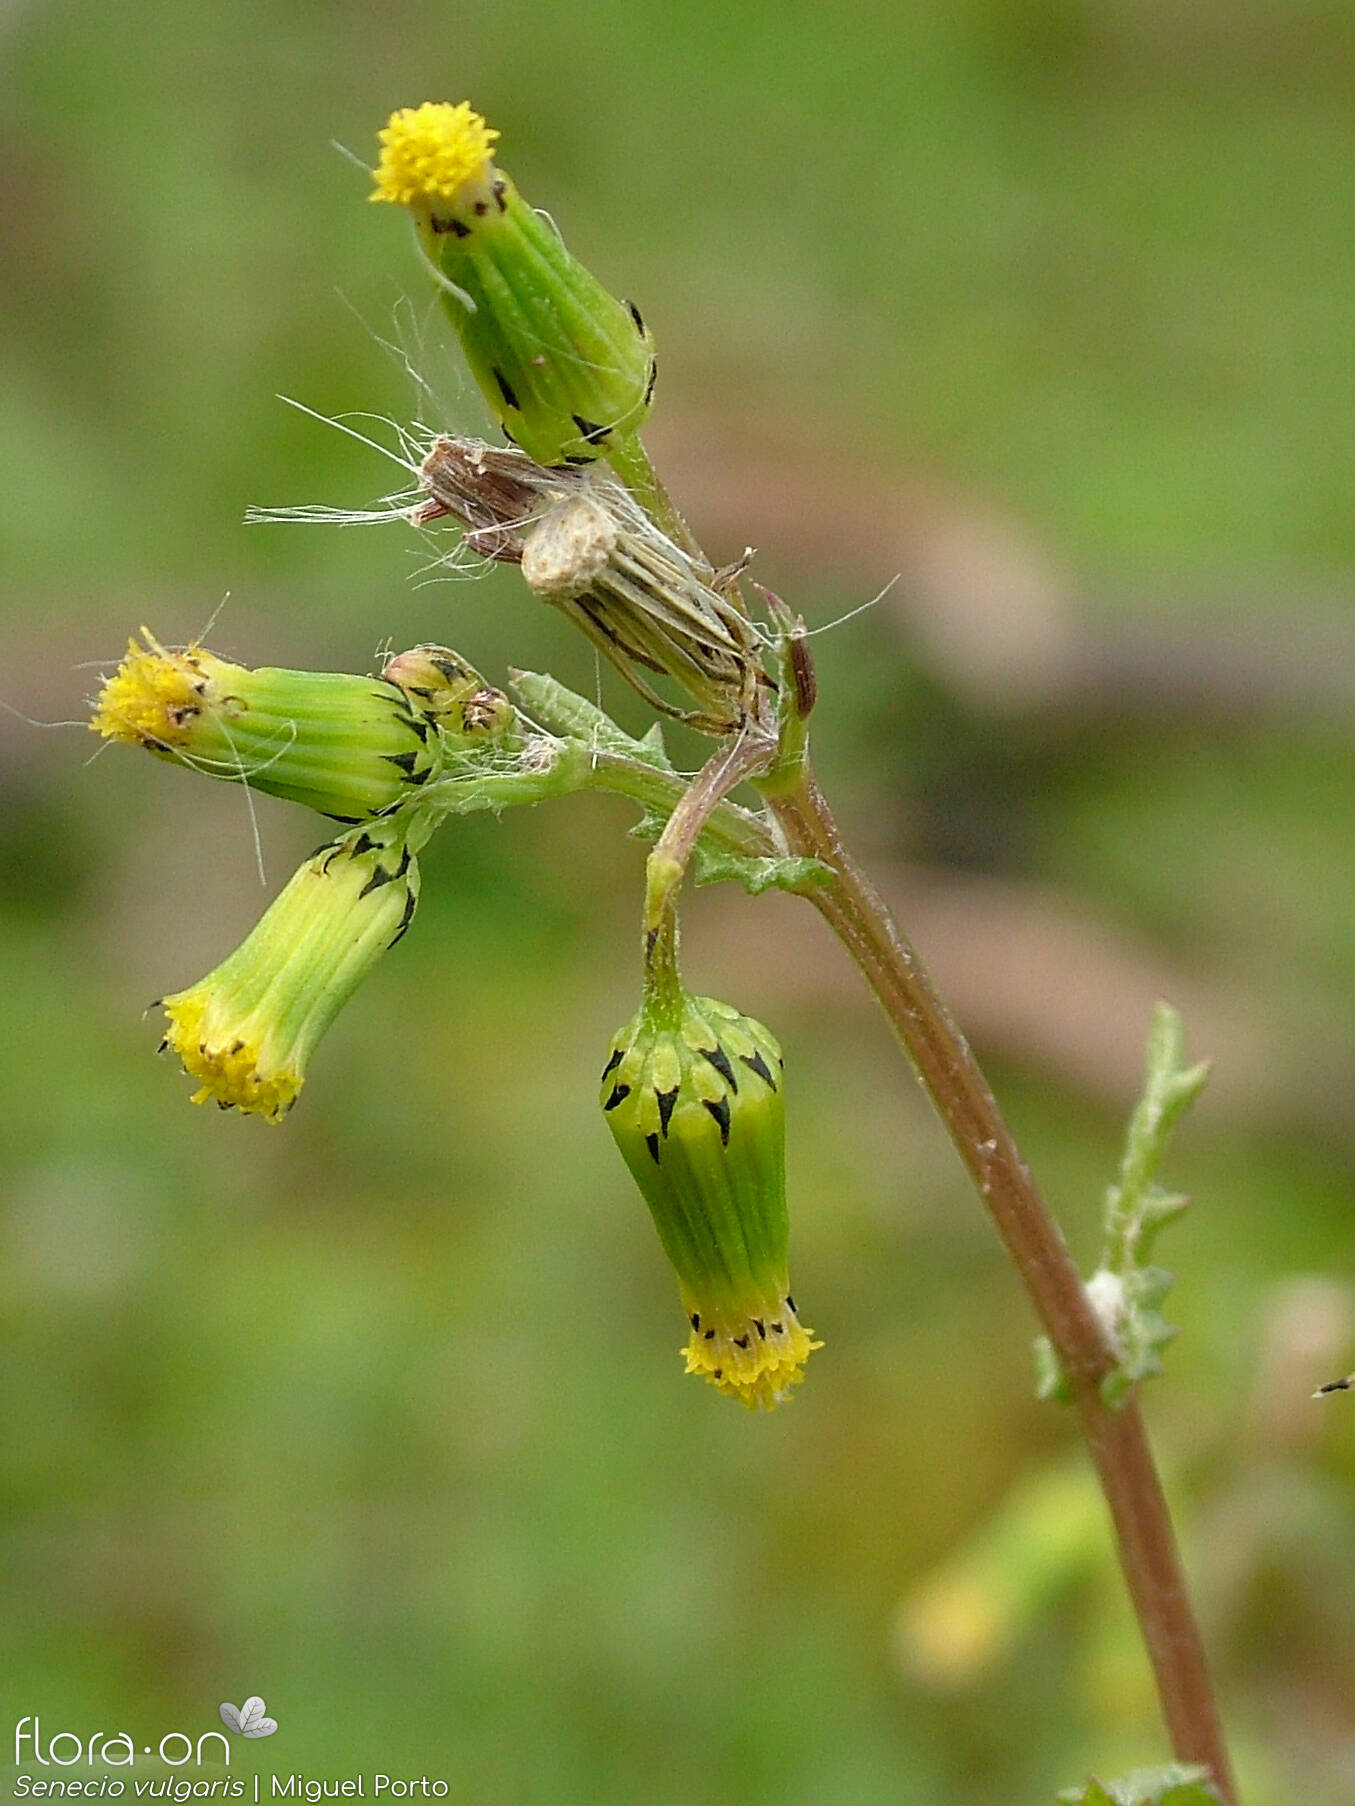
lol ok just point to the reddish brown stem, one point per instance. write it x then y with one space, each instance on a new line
1116 1438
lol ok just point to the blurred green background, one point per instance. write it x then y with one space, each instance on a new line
1043 306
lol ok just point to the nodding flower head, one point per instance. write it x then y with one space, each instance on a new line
349 747
567 370
692 1095
247 1030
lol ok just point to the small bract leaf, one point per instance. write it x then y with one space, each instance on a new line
652 745
1093 1794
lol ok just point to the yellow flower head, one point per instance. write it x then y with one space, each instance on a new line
692 1095
240 1075
566 369
347 746
154 696
248 1029
430 153
755 1353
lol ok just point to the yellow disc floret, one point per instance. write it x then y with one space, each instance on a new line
755 1356
152 697
429 153
232 1072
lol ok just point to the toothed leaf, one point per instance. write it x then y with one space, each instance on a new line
1137 1208
1174 1785
713 866
564 711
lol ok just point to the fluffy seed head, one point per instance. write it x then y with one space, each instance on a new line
568 549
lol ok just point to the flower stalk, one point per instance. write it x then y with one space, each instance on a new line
765 739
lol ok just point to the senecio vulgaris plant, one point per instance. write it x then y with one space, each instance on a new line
691 1089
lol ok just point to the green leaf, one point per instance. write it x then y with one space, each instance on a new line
649 827
1174 1785
1136 1206
713 865
1126 1290
651 748
564 712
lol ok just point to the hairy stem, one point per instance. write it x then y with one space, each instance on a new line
1116 1439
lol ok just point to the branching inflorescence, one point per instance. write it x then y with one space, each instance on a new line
692 1089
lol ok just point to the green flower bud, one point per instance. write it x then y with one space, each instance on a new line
452 694
248 1029
567 370
692 1095
347 746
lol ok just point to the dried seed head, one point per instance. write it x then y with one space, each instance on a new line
586 546
568 549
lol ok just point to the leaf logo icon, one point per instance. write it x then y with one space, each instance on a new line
249 1720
